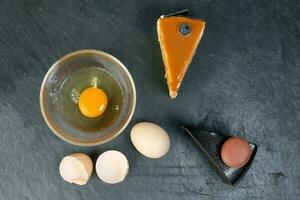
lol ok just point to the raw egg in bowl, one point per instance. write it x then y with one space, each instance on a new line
87 97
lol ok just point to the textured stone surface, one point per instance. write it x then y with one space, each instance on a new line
244 79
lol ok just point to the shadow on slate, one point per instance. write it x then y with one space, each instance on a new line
210 144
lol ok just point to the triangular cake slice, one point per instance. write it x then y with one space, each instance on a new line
179 37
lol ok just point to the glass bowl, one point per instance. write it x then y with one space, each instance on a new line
52 85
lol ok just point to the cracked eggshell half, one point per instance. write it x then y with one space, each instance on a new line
150 139
112 167
76 168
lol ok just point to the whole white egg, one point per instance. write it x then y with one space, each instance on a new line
150 139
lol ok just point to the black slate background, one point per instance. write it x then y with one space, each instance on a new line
244 79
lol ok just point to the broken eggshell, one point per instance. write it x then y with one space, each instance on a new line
76 168
112 167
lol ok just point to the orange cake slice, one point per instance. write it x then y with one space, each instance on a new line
179 37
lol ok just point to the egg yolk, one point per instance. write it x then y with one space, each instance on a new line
92 102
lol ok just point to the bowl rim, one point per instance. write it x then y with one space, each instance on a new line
46 118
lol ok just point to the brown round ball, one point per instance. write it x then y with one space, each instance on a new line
235 152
